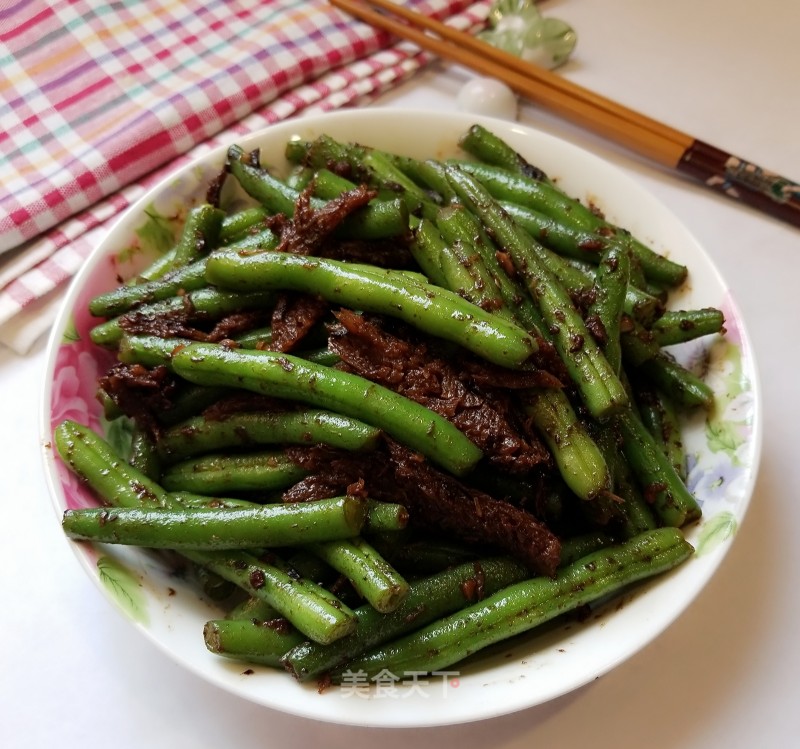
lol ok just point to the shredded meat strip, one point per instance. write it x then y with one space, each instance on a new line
293 317
310 226
187 322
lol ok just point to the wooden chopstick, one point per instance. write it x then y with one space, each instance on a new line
547 83
667 146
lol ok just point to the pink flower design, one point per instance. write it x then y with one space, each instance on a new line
75 386
76 493
78 366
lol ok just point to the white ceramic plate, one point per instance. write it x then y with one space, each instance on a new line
723 449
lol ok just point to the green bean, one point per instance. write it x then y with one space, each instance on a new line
87 455
427 248
212 586
369 573
600 388
312 568
162 265
205 501
419 556
328 185
181 528
240 225
206 302
463 266
385 516
611 284
265 239
559 236
579 461
575 548
261 642
242 429
239 229
299 177
547 199
148 350
152 351
631 513
428 174
322 356
487 146
369 165
315 612
253 609
435 310
428 599
190 399
579 276
672 433
680 326
686 389
272 193
256 338
219 473
662 487
200 234
512 293
577 457
286 376
143 455
379 219
417 200
124 298
324 151
660 417
111 409
522 606
380 516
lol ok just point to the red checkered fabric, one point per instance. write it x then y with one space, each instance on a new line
98 101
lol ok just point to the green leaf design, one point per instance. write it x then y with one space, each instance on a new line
722 436
716 530
70 334
159 232
124 587
736 382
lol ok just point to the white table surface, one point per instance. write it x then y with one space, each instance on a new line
73 673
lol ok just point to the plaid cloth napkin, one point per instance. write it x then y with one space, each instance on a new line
100 101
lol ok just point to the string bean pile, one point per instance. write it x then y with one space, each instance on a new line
393 411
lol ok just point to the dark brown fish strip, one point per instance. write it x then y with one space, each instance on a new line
293 317
435 500
310 227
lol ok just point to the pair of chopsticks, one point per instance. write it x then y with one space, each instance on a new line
656 141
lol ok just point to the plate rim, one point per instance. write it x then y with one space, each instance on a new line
377 114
